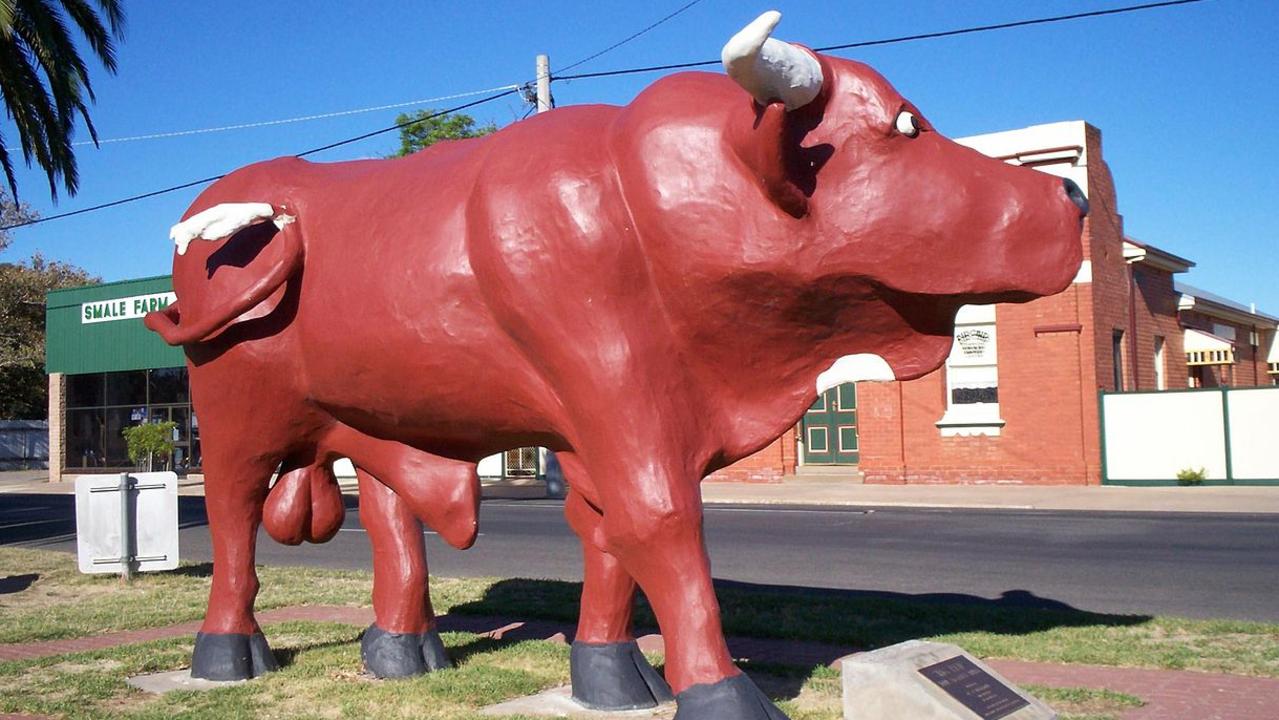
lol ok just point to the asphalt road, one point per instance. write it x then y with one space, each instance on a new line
1195 565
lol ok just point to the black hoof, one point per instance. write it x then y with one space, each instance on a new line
733 698
231 657
615 676
397 655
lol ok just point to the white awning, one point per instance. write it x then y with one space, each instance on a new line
1207 349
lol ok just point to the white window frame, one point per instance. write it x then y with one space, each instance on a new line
972 418
1161 378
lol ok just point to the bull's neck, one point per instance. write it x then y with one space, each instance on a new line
757 341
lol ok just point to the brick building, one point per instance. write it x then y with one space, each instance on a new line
1017 400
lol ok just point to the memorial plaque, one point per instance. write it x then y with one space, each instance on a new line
919 680
977 689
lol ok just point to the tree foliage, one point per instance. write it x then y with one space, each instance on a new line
45 82
429 130
149 441
23 285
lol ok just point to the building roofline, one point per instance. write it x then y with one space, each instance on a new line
1140 252
1192 298
78 288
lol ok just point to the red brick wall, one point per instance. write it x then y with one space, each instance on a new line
1104 237
767 465
1041 399
1156 315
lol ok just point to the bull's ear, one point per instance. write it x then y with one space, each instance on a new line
764 146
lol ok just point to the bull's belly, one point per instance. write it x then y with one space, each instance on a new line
457 400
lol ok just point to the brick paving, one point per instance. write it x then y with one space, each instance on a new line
1169 694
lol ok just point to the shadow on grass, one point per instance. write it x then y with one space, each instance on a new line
17 583
459 654
819 624
193 570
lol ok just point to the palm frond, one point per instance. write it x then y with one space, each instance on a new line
90 25
42 132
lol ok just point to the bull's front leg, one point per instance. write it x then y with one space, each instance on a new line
652 523
608 670
403 640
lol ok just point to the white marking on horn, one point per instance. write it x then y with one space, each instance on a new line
855 368
222 220
770 69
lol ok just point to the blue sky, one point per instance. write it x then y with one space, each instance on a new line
1186 99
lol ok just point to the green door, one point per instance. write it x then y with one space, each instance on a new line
830 428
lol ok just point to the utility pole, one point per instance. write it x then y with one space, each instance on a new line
543 83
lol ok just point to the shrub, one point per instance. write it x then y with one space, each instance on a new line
1191 476
148 440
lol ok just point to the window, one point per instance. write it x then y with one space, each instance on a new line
1160 382
1117 358
101 405
972 376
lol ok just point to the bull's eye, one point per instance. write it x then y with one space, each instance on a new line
907 124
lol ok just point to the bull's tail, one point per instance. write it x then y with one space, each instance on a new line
304 505
215 223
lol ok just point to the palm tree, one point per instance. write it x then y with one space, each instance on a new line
45 83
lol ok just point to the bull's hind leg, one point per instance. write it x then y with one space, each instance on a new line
230 645
403 641
608 670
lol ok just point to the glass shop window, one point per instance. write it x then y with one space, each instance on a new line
84 438
168 385
127 388
86 390
101 405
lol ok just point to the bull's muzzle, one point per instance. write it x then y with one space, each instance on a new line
1076 196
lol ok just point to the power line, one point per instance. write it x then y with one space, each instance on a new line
212 178
298 119
373 108
902 38
631 71
631 37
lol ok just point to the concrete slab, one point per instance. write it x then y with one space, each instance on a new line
161 683
558 702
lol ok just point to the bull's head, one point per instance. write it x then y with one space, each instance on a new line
931 224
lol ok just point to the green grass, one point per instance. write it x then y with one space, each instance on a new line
48 598
320 677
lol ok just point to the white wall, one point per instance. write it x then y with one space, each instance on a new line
1152 436
1254 433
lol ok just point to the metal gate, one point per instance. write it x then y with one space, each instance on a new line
520 462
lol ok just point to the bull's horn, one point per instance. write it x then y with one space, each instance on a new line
770 69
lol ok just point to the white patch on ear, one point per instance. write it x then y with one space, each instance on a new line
220 221
855 368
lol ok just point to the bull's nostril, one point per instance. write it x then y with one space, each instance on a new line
1076 195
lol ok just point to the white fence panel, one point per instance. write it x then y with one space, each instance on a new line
1254 433
1152 436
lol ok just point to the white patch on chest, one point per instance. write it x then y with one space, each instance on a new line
855 368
